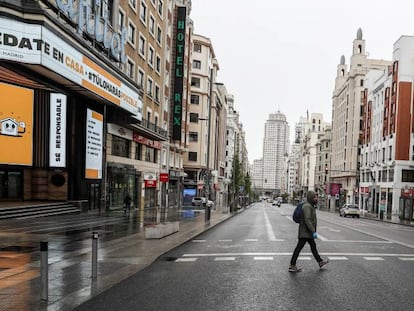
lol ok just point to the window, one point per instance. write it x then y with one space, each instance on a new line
120 146
158 64
407 176
141 76
193 117
193 136
138 152
195 99
159 35
150 154
195 82
141 46
152 25
130 69
157 93
197 48
121 20
151 56
133 3
192 156
131 33
143 12
149 86
196 64
160 7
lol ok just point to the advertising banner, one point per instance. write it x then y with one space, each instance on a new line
16 125
57 142
94 143
35 44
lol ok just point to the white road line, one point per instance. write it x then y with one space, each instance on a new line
304 258
224 258
337 258
405 259
263 258
270 232
225 240
355 241
251 240
373 258
186 259
303 254
199 241
322 238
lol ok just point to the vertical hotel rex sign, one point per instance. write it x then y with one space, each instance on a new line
178 73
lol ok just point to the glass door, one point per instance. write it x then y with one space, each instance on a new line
10 184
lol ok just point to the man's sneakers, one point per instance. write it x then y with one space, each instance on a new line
322 263
294 269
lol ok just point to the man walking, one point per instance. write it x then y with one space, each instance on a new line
307 232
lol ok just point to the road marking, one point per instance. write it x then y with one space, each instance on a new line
270 232
186 259
225 240
251 240
199 241
337 258
322 238
329 228
373 258
263 258
303 254
224 258
304 258
406 259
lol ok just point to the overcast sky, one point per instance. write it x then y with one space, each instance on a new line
283 55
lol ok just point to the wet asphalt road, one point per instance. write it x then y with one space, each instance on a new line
242 264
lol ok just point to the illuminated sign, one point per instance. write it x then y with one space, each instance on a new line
94 143
16 124
178 73
81 15
41 46
57 141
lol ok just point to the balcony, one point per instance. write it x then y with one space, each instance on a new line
151 129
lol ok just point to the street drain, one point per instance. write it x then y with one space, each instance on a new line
170 258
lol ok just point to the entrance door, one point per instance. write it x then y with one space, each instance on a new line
94 194
10 184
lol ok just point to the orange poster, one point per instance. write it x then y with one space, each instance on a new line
16 124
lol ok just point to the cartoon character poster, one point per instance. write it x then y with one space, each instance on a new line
16 123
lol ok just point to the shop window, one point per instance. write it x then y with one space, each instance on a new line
120 146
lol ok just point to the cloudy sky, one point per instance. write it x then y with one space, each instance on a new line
283 55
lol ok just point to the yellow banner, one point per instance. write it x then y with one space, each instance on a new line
16 124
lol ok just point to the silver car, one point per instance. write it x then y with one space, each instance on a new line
350 210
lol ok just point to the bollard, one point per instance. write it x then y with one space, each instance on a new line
94 255
44 271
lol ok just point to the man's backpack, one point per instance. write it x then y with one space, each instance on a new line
298 214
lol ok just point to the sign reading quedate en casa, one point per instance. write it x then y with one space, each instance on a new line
35 44
178 71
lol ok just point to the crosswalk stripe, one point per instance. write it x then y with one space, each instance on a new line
251 240
405 259
224 258
199 241
373 258
263 258
225 240
304 258
338 258
186 259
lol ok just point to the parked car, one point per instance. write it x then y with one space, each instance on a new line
198 201
350 210
277 202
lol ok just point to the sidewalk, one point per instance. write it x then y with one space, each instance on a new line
70 281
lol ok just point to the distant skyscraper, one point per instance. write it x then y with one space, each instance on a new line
275 150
